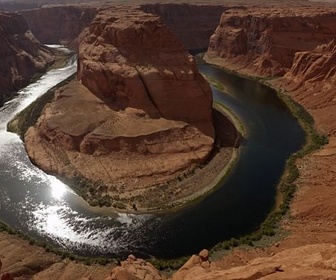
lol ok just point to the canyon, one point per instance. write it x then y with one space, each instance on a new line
293 45
22 56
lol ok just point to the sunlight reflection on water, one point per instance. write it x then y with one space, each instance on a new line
58 189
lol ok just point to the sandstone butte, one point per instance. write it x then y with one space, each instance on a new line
22 56
139 114
308 252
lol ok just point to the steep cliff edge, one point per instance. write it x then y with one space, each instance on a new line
263 41
141 115
22 56
60 24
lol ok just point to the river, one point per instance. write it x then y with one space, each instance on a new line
44 208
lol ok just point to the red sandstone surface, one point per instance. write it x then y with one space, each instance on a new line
264 40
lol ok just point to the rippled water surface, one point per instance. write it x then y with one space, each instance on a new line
43 207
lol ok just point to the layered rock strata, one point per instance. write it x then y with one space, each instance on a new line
141 114
22 55
60 24
265 40
193 24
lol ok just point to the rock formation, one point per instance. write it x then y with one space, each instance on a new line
22 56
60 24
135 269
306 262
155 109
193 24
265 40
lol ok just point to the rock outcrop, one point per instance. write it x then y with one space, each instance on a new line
305 262
22 56
135 269
193 24
60 24
311 81
144 115
265 40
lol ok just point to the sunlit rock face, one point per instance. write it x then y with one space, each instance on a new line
22 56
266 39
311 81
135 61
140 113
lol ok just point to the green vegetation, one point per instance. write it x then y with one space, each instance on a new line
28 117
93 193
174 264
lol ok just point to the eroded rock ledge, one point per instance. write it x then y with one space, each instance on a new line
139 114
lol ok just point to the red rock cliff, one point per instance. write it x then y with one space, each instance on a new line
266 39
311 80
59 24
22 56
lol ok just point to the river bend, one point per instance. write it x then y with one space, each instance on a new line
43 207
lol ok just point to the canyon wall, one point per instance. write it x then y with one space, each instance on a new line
193 24
22 56
155 108
265 40
59 24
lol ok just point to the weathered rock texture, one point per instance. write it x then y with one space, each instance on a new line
265 40
22 56
20 260
306 262
193 24
60 24
148 119
135 269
